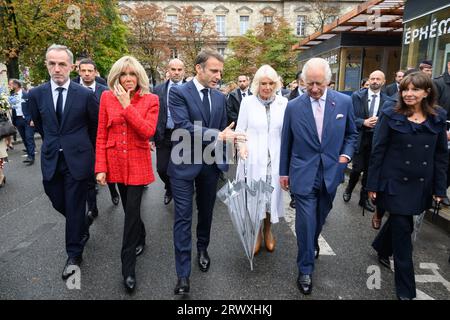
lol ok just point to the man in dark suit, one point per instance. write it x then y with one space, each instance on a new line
76 68
235 97
392 89
66 115
317 142
87 70
165 126
19 119
199 113
367 104
300 87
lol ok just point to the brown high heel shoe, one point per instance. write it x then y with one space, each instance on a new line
269 240
376 221
258 243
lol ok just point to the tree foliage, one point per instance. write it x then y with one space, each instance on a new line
149 37
269 43
89 27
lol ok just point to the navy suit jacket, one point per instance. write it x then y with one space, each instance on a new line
361 110
301 149
186 108
76 135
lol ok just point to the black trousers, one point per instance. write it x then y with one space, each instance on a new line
68 196
134 229
163 150
394 238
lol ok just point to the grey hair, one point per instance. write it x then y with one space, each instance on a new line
317 62
265 71
59 47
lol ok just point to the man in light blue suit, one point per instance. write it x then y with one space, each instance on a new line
318 140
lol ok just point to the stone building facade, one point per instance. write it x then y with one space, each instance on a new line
234 18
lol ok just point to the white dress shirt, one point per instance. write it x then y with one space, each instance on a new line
200 87
55 92
370 93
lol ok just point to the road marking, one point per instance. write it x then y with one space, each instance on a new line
435 277
420 295
289 216
22 206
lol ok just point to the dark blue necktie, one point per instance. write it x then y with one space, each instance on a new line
59 105
206 105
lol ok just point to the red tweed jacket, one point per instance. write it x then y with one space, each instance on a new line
123 150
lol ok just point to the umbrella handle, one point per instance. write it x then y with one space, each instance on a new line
244 169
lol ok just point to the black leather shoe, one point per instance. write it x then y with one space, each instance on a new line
140 249
316 252
182 286
71 262
167 198
28 161
403 298
304 283
445 201
91 215
203 260
129 283
384 261
346 196
115 200
367 205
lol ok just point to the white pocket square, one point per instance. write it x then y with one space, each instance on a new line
339 116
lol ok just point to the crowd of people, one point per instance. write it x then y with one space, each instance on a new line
96 132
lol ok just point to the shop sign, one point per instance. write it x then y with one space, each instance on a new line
435 29
333 59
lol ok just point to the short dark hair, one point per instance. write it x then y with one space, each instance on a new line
363 81
88 61
205 54
16 82
409 71
421 81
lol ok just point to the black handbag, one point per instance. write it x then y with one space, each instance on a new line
6 127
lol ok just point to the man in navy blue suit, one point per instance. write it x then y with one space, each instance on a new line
87 70
66 115
318 140
199 114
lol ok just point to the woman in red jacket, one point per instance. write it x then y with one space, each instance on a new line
127 120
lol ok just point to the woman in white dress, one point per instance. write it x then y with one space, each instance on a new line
261 118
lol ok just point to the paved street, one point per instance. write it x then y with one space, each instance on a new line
32 252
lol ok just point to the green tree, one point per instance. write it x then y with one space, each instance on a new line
29 27
269 43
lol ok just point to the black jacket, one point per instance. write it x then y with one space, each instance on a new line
408 164
97 79
391 89
442 84
361 111
233 104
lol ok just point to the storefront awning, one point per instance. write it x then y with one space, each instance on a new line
383 17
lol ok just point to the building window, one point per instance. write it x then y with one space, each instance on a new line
268 19
221 51
330 19
174 53
300 27
198 24
243 24
220 25
172 21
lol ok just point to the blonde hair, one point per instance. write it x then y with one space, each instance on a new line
263 72
120 65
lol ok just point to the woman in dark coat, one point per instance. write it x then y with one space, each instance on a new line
406 171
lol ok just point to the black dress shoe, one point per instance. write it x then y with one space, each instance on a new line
85 238
71 262
203 260
115 200
167 198
346 196
304 283
91 215
140 249
384 261
182 286
130 283
367 205
403 298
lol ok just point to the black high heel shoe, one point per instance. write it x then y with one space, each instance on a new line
3 182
